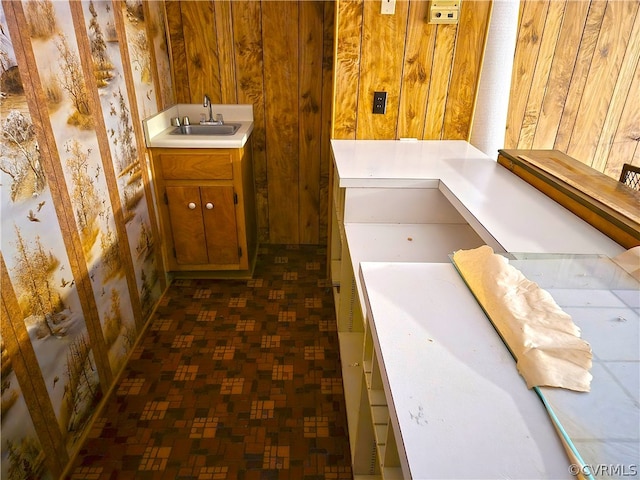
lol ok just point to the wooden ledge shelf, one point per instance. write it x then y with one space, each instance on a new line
602 201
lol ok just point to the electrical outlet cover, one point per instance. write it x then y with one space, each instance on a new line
380 102
444 11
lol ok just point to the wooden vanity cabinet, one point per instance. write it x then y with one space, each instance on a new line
206 205
206 231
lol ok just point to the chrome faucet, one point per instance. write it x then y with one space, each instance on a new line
210 121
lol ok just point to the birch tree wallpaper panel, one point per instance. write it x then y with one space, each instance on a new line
78 225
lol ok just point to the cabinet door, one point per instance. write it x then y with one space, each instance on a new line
187 225
221 231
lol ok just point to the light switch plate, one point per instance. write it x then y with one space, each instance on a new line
388 7
444 11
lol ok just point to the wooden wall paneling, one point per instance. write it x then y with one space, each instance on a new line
310 49
625 147
581 70
25 365
349 21
561 74
530 30
603 74
467 64
247 32
369 52
383 42
327 99
417 69
440 80
177 51
201 50
224 34
36 100
575 95
620 98
107 160
140 142
280 40
541 73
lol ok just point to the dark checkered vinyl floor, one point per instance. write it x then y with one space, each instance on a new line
234 379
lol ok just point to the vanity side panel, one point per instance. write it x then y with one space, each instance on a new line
247 206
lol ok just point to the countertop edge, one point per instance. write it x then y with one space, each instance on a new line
238 140
157 127
528 221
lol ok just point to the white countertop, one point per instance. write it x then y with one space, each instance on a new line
461 407
453 385
158 128
517 215
458 405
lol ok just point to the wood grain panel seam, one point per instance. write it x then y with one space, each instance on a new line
606 64
360 47
345 99
629 66
434 123
567 123
560 78
534 112
173 19
519 94
402 67
460 118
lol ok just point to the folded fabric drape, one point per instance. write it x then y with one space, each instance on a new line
543 339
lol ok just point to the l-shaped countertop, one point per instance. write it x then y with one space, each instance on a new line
456 401
515 214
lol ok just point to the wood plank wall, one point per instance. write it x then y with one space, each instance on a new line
276 55
576 81
430 72
281 60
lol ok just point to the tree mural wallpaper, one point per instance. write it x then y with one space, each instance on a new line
156 27
126 158
73 127
81 267
33 248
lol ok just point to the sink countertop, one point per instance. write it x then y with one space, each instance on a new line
158 128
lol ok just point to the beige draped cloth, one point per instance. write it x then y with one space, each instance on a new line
543 338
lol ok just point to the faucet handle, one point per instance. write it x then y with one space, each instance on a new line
219 119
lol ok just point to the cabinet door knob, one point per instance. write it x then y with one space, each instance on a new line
192 206
209 206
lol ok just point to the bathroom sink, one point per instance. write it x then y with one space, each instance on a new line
226 129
